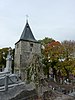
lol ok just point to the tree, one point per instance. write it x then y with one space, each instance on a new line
46 40
58 56
3 55
69 58
35 69
52 54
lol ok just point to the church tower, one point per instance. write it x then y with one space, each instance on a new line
25 48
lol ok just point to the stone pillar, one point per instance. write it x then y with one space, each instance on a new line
6 82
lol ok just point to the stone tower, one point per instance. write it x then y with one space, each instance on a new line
25 48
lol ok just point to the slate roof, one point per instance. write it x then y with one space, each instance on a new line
27 34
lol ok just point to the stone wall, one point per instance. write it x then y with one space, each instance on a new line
17 57
24 51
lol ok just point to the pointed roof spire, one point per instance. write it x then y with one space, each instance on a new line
27 34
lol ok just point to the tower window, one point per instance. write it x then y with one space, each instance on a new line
31 45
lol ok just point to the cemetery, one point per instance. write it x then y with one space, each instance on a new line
37 77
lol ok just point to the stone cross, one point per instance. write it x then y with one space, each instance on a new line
27 18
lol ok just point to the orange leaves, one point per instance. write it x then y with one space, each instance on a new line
54 43
53 48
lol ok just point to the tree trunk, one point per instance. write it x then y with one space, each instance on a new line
54 73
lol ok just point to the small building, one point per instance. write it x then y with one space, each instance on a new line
25 48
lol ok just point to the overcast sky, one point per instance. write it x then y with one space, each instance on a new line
47 18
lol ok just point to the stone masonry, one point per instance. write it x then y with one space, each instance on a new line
25 48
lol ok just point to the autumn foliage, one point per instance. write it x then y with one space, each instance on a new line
60 58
